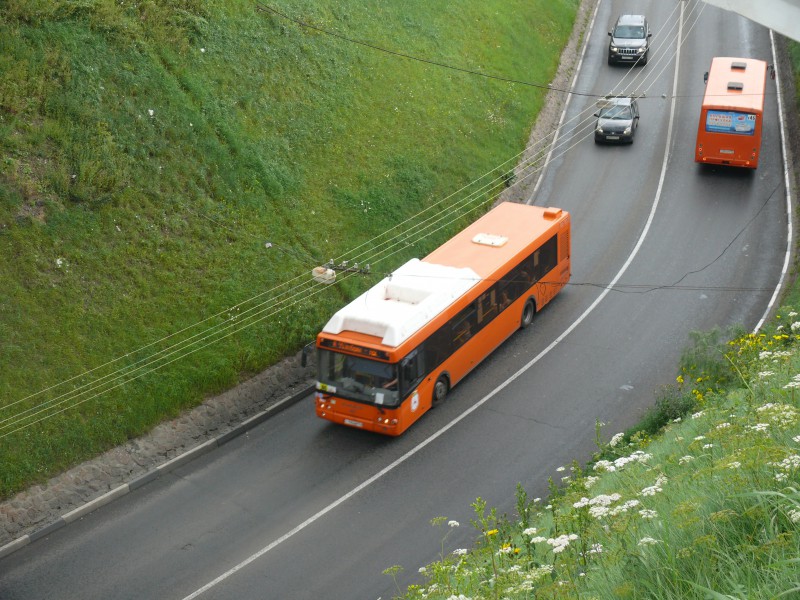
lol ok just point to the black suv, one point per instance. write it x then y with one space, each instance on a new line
630 40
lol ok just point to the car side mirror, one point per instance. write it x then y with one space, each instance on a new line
611 34
705 77
649 34
596 114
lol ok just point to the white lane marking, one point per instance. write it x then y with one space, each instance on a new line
491 394
786 185
566 105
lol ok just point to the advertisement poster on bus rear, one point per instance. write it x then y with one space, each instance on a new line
729 121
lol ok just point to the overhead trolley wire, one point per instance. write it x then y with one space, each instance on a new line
403 233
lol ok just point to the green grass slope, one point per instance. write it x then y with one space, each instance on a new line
702 503
149 150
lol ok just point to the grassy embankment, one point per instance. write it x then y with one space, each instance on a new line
151 149
701 500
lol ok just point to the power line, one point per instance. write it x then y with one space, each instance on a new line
266 8
399 237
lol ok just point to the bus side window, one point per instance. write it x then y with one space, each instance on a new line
412 368
487 307
465 325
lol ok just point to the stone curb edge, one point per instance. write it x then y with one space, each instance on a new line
168 466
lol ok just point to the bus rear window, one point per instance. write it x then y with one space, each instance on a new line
730 121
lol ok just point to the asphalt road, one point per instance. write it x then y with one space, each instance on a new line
299 508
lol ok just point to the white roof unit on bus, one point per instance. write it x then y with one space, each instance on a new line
400 304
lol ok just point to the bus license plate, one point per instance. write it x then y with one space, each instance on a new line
353 423
726 151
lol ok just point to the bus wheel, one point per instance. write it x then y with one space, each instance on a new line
527 313
440 391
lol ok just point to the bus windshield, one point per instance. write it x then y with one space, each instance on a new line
359 378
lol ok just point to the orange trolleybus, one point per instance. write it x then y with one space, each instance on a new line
729 132
396 350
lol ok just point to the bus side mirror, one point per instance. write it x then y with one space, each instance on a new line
705 77
771 69
304 355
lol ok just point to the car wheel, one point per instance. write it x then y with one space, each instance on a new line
611 62
528 312
440 391
644 58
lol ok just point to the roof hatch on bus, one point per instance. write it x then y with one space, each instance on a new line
489 239
738 66
551 214
736 86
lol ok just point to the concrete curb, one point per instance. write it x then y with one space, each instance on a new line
154 474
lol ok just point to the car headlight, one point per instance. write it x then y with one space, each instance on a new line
613 48
627 130
641 50
599 129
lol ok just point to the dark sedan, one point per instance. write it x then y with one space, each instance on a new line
617 120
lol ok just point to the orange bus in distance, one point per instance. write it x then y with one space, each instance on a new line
731 117
387 357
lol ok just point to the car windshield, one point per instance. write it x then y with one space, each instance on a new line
616 112
629 32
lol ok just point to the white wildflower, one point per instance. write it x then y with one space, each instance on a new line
560 543
616 439
604 465
647 541
598 512
651 490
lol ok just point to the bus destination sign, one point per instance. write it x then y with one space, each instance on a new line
354 349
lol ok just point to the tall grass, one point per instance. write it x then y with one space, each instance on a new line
162 163
708 508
